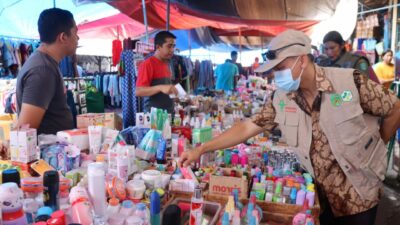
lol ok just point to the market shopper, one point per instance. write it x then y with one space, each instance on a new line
41 96
385 70
332 116
225 75
234 57
334 47
154 76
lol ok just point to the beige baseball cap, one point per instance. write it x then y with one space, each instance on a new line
286 44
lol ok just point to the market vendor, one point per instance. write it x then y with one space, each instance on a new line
41 95
334 47
337 118
154 76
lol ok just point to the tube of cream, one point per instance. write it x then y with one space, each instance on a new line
95 135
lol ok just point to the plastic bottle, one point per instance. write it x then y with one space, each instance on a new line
30 208
155 208
97 189
270 192
286 195
12 213
122 167
196 208
293 195
236 218
301 195
133 220
113 206
225 219
81 206
127 208
310 196
141 213
116 219
51 182
278 193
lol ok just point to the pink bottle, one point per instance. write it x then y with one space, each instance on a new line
11 198
81 206
235 159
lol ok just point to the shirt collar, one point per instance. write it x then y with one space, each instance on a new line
322 82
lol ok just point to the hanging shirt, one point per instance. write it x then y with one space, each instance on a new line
116 51
154 72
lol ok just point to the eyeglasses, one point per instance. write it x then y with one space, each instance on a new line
271 54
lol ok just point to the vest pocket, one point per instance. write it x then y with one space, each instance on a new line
291 128
377 163
351 129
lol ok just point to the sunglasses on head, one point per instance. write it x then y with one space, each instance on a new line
271 54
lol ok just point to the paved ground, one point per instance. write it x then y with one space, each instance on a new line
389 206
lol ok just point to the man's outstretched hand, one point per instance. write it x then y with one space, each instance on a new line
190 156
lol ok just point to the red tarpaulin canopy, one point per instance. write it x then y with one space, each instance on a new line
113 27
184 17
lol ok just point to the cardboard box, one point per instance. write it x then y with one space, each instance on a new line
90 119
6 125
224 185
23 145
78 137
112 121
109 120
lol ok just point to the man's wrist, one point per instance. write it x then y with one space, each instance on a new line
202 149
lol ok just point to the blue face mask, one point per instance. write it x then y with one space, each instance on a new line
284 79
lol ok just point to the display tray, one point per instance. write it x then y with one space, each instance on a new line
273 213
211 210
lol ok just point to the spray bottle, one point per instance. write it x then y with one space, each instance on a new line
196 207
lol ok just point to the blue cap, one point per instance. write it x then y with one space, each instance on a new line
225 219
155 204
293 193
47 211
141 206
127 204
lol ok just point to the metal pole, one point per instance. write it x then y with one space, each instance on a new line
145 20
395 5
240 44
168 11
190 44
394 26
54 3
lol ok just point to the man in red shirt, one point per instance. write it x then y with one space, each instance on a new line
154 76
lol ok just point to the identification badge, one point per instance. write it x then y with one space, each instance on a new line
336 100
347 96
290 109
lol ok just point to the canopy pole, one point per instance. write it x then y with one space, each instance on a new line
168 12
394 26
54 3
190 44
240 44
145 21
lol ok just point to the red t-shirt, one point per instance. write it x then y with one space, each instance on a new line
152 69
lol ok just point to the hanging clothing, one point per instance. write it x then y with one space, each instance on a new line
129 89
113 88
206 75
66 67
106 79
116 51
